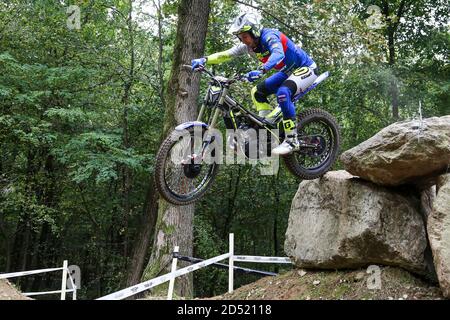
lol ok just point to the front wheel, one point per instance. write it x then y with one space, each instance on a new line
181 175
319 135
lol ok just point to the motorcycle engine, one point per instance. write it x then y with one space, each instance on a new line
247 139
250 144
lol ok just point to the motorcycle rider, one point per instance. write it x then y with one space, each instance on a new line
296 71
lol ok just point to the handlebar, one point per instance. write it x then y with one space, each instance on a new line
202 69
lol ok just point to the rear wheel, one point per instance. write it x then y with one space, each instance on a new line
319 135
182 177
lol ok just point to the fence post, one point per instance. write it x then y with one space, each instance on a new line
74 296
172 280
64 281
230 264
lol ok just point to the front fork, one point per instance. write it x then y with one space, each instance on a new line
217 112
212 124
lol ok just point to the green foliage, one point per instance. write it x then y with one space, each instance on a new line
77 134
97 154
81 116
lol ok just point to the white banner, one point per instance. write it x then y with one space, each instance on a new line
26 273
261 259
46 292
128 292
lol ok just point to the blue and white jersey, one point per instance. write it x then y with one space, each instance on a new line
275 50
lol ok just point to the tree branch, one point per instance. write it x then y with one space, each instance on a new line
401 11
385 8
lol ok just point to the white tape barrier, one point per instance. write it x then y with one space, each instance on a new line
74 290
26 273
47 292
261 259
128 292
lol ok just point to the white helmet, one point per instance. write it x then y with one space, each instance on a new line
246 22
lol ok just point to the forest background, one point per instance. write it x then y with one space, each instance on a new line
84 107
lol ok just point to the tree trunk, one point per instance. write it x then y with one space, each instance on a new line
276 181
142 241
23 228
127 92
175 223
43 246
160 58
150 207
8 244
394 86
391 30
233 192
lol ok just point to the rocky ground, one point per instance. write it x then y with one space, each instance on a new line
396 284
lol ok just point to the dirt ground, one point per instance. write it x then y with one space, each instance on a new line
9 292
394 284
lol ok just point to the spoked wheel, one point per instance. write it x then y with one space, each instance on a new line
319 138
182 176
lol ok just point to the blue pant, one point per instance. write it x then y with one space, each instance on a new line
272 85
286 86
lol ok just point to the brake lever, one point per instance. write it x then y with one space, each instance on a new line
189 68
200 68
240 77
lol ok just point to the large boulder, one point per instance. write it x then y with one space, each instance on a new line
402 153
339 221
427 198
439 233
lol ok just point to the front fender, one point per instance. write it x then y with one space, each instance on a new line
190 124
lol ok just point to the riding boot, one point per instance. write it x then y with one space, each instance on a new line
290 143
